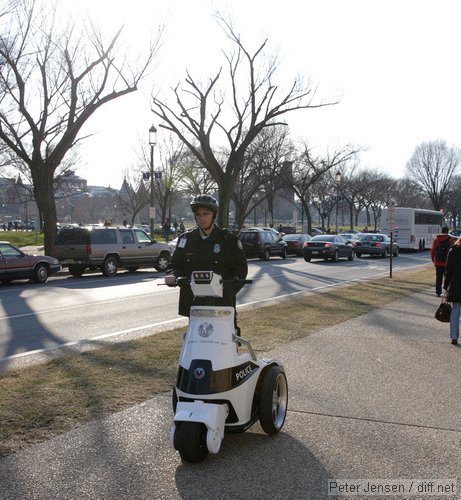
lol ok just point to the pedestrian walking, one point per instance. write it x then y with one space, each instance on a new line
453 286
439 251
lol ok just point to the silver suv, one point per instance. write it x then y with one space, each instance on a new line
108 249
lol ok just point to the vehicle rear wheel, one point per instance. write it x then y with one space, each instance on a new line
267 254
307 259
40 274
385 254
162 262
110 266
351 256
76 271
284 253
273 400
396 252
190 441
335 257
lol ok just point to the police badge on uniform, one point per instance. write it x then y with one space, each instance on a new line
217 248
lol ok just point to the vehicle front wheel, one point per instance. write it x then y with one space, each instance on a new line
385 254
110 267
358 255
162 263
273 400
40 274
190 441
335 257
396 252
284 253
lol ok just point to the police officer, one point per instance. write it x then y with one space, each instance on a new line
207 248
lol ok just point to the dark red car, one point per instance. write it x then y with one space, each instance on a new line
16 265
296 242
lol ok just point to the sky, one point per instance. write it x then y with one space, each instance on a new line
394 65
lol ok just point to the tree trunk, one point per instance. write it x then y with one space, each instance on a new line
44 197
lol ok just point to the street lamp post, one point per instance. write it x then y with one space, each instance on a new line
152 142
338 182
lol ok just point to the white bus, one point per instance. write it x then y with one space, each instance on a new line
413 228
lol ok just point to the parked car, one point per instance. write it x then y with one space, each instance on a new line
352 237
316 231
327 246
261 243
295 242
376 244
17 265
108 249
172 244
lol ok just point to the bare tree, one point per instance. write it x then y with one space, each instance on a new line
309 169
52 82
201 112
432 167
133 195
259 177
193 178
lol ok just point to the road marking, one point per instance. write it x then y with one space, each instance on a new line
178 319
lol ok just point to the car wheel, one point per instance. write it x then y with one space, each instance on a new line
110 266
351 256
284 253
335 257
267 254
358 255
162 262
396 252
76 271
385 253
40 274
307 259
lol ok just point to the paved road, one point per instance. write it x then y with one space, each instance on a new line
376 397
36 319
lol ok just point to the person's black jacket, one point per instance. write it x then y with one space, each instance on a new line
453 274
220 252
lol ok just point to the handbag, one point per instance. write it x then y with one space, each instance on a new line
443 312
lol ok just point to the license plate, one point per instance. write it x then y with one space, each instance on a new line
315 252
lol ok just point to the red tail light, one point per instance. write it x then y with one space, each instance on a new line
327 245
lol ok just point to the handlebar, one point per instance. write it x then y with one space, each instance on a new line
184 280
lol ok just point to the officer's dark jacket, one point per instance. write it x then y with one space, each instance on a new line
221 252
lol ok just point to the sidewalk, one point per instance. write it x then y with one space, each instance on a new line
376 397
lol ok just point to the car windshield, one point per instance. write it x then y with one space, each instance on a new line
291 237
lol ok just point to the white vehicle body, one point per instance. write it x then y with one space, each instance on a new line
219 388
412 228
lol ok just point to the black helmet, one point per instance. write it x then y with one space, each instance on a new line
204 200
